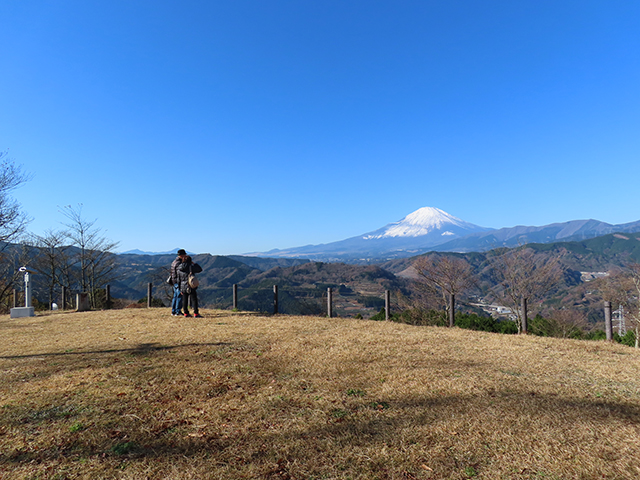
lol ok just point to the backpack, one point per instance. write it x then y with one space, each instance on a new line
193 281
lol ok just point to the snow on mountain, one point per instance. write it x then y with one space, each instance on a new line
422 222
417 232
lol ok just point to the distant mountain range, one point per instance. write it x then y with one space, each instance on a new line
431 229
418 232
140 252
359 288
574 230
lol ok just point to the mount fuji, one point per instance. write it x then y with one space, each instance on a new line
416 233
426 222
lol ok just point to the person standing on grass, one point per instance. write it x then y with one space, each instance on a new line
176 302
186 268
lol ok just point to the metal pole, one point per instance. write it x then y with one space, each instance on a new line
452 310
608 325
329 302
235 296
387 303
64 297
275 299
524 316
15 298
149 290
27 290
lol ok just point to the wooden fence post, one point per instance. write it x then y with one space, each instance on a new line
83 303
107 297
275 299
235 296
608 325
524 316
329 302
149 290
452 310
387 304
63 296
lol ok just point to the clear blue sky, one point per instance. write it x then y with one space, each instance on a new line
241 126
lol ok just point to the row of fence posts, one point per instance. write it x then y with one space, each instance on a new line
82 300
608 319
82 304
387 299
387 307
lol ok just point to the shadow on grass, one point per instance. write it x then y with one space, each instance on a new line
141 349
393 423
39 366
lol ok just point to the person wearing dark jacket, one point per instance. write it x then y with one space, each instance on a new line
186 268
176 302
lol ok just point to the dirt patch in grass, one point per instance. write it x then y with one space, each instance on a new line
140 394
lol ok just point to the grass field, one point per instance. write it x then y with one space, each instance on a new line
137 394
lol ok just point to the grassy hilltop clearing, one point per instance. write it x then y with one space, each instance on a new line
136 394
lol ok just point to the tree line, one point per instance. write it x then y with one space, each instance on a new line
76 257
520 278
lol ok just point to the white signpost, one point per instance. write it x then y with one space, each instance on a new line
27 310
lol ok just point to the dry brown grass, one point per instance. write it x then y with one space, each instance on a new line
139 394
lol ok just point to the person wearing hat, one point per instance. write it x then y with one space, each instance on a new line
176 302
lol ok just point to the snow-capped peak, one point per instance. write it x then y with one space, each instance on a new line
421 222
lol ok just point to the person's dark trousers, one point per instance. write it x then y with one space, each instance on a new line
176 303
194 301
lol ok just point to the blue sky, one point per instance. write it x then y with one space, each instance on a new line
242 126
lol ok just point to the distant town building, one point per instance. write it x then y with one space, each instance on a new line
495 310
588 276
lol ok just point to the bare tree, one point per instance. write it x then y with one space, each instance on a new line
567 322
52 261
12 219
102 266
12 224
11 259
521 274
445 276
96 253
614 287
82 234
